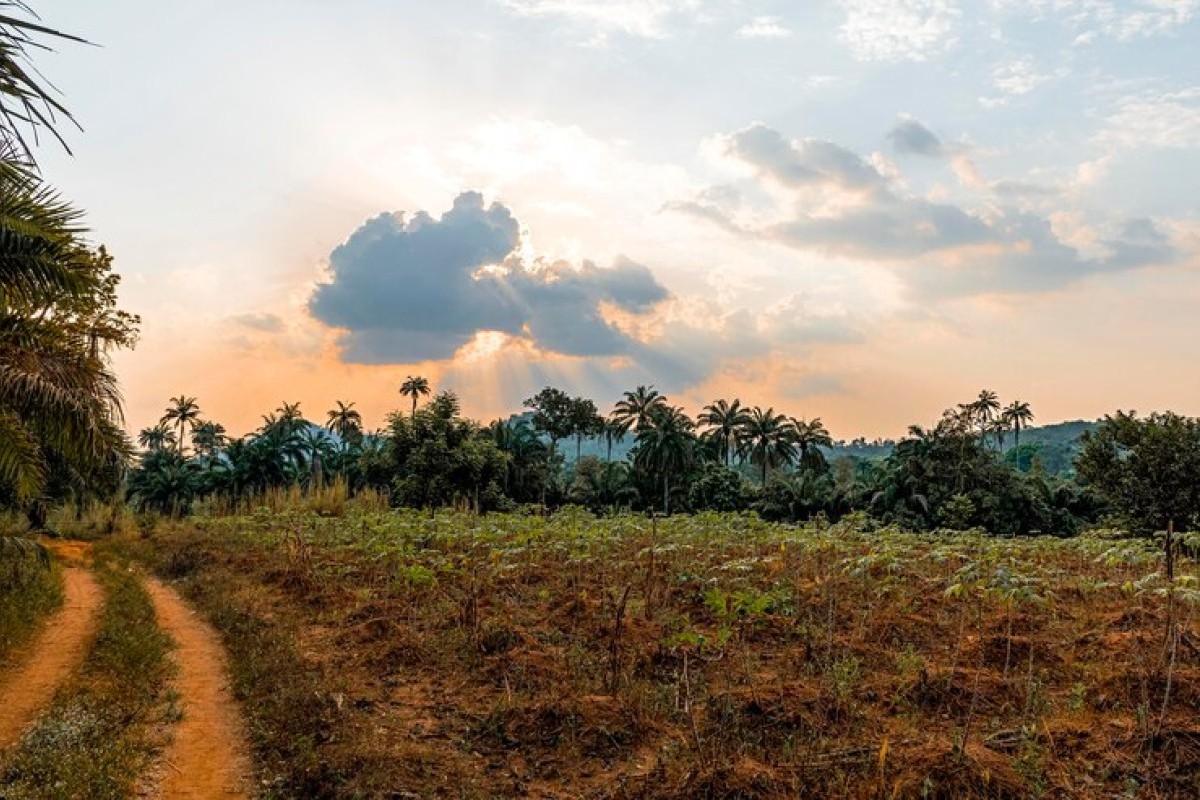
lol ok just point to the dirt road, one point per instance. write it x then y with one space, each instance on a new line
208 757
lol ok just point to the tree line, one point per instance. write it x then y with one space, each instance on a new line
729 457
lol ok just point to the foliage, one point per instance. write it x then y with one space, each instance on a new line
440 459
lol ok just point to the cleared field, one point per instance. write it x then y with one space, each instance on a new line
707 656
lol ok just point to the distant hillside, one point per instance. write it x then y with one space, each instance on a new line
1055 446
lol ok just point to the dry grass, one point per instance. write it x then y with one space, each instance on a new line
456 656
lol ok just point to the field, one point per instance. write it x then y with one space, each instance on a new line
416 654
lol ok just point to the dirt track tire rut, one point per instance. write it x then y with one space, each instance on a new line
53 656
208 755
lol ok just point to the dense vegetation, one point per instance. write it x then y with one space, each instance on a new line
60 416
730 458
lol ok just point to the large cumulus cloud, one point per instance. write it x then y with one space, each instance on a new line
407 290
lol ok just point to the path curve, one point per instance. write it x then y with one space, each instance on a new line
207 758
53 655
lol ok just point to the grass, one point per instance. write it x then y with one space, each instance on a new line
103 727
449 655
29 593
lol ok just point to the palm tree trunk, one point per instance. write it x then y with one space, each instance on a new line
666 494
414 408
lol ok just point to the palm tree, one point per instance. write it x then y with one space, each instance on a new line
157 438
290 417
614 430
984 410
316 445
637 407
26 101
346 422
184 412
666 445
57 393
768 440
1018 415
725 421
414 388
208 437
809 436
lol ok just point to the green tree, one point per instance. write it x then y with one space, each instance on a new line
415 387
208 438
1017 415
58 396
666 447
585 421
725 422
553 418
768 441
27 102
157 438
346 422
184 413
636 407
982 411
614 430
809 437
1148 469
438 458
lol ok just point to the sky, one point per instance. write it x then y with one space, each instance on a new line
862 210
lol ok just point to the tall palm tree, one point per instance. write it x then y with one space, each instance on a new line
637 407
768 440
183 412
1018 415
317 448
984 409
809 436
414 388
614 430
667 446
346 422
725 422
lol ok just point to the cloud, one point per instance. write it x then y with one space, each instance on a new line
937 248
764 28
803 162
898 30
911 136
405 291
1019 77
644 18
268 323
1160 119
1123 20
